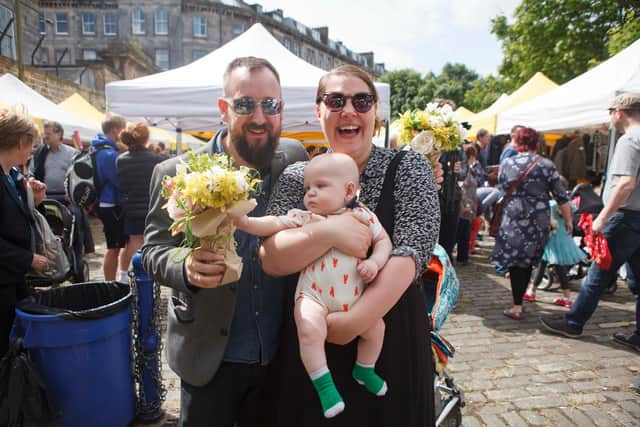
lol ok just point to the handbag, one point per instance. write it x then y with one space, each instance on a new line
498 209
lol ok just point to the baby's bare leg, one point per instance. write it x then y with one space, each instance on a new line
369 348
311 321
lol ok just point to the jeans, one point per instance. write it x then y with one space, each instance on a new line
622 231
487 196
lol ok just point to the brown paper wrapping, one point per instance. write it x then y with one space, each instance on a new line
215 230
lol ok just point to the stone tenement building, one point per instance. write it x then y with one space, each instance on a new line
138 37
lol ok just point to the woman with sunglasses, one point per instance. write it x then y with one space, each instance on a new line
401 189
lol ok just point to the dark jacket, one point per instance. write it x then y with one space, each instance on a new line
106 174
15 236
134 170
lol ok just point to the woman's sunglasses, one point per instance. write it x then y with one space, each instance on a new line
246 105
335 101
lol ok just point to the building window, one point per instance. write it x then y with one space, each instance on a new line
7 48
42 25
162 59
110 24
89 55
162 22
295 48
321 60
199 26
62 23
286 43
88 23
237 28
310 56
316 35
197 54
137 22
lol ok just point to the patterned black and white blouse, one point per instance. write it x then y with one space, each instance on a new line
417 212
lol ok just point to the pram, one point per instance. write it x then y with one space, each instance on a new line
441 291
63 224
586 201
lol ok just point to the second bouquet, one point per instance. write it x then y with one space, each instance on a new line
204 197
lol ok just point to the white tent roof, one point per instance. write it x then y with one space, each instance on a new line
14 93
581 102
186 97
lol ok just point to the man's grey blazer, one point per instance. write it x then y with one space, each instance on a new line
198 320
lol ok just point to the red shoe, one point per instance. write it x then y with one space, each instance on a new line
529 297
515 315
564 302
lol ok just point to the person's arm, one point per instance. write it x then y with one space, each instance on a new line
623 189
289 251
567 216
260 226
416 228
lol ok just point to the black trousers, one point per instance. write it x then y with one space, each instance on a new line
449 229
234 395
519 281
464 233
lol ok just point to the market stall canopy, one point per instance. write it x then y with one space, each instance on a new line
78 105
14 93
186 97
582 102
537 85
464 114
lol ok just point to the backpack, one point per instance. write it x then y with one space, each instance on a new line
80 183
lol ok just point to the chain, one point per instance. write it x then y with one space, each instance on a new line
142 361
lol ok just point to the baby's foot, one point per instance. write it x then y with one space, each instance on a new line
366 375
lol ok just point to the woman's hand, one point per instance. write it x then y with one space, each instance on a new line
39 190
350 234
205 269
438 174
40 263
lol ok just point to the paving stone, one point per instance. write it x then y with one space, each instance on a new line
548 389
597 416
470 421
631 407
533 418
515 420
506 394
575 399
492 420
494 408
538 402
621 416
557 418
577 417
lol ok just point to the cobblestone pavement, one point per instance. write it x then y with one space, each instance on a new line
512 373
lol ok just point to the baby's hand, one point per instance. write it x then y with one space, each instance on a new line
368 270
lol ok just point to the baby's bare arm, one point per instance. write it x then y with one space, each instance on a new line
263 226
382 248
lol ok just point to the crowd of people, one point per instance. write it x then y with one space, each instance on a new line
253 352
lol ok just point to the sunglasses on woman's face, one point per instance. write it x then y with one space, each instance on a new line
335 101
246 105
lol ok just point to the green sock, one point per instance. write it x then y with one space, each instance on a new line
366 375
332 403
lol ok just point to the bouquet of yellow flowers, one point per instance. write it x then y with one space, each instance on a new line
203 199
429 131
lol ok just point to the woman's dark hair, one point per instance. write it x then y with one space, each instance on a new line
135 136
470 151
351 71
526 139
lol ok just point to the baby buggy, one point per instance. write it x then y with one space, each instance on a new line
441 291
587 201
63 225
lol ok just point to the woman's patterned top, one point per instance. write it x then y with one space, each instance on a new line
417 213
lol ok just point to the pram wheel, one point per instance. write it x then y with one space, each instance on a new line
613 287
454 419
547 279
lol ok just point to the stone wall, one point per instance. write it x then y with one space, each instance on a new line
50 86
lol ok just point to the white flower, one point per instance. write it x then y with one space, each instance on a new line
423 142
241 181
174 211
213 177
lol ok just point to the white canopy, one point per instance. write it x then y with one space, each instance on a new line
186 97
581 102
14 93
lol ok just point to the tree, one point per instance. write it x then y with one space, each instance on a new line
485 92
561 38
406 91
625 33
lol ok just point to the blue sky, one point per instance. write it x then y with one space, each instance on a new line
418 34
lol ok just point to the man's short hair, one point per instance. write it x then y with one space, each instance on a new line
113 121
481 133
252 63
55 126
515 128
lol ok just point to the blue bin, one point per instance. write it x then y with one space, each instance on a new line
79 338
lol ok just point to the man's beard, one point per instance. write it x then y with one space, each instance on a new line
260 154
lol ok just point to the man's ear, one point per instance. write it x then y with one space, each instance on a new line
224 110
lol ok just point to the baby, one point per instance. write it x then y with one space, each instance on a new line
335 281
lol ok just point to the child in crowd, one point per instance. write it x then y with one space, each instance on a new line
562 252
468 208
334 281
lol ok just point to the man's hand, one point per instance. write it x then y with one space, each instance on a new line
351 234
40 263
597 225
368 270
457 167
205 269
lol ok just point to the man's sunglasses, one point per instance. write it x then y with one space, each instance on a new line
246 105
335 101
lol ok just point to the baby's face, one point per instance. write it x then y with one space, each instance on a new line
325 191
